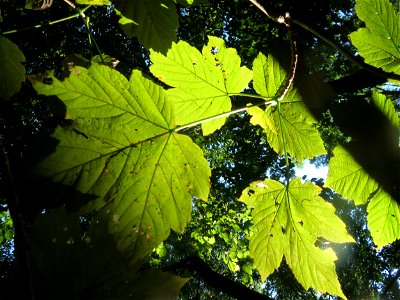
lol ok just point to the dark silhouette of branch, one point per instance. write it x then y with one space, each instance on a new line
356 60
20 241
359 80
219 282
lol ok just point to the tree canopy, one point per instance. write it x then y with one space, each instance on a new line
149 149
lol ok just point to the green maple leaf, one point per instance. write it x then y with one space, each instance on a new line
289 126
288 221
386 106
122 150
154 22
345 175
379 42
383 219
12 72
201 82
347 178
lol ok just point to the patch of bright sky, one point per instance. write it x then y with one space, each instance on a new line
311 171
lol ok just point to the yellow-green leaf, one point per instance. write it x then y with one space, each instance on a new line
290 128
348 178
379 41
288 221
383 219
202 81
122 153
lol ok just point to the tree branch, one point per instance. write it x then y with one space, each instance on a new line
356 60
221 283
20 241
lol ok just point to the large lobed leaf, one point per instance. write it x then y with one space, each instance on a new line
153 22
288 221
349 179
12 72
379 42
201 82
122 150
289 126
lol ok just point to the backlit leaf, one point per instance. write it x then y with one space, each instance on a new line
289 126
122 151
383 219
12 72
154 22
386 106
202 81
288 223
345 174
348 178
379 42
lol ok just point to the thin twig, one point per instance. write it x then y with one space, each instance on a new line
87 26
260 7
356 60
226 114
287 83
353 59
46 24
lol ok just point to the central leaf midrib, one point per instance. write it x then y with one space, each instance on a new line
225 92
150 184
96 99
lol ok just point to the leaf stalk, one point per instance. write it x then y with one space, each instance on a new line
226 114
48 23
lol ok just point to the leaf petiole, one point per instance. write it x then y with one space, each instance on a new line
49 23
226 114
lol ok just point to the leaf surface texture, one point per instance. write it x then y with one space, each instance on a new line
201 82
122 151
287 223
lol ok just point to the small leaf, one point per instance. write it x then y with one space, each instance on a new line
268 75
383 219
379 42
12 72
202 82
122 151
154 22
287 222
